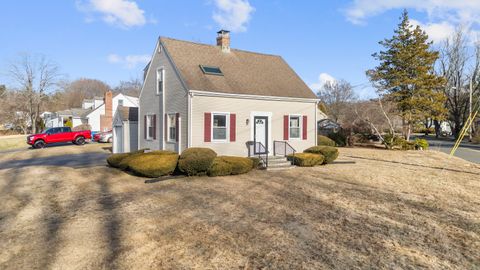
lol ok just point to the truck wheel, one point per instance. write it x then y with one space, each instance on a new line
39 144
110 140
80 141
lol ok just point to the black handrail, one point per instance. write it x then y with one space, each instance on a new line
278 146
258 149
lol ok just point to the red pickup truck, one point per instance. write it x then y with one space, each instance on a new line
58 135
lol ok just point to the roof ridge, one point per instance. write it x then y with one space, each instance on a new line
210 45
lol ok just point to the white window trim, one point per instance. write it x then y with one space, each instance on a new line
300 126
161 71
149 115
227 126
174 140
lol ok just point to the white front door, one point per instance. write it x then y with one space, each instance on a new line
260 134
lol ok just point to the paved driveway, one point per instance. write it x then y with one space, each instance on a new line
466 150
66 155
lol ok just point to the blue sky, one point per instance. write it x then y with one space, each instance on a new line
111 40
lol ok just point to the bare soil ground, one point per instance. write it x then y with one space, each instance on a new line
372 209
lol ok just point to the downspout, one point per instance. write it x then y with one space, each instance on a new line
189 119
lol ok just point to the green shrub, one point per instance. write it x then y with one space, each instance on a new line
115 160
329 153
324 140
196 160
306 159
421 144
255 162
228 165
339 138
124 163
153 165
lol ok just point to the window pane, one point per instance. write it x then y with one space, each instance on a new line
172 133
219 133
120 102
294 133
220 121
294 121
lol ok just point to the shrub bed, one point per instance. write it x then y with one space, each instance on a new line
329 153
196 160
255 162
324 140
421 144
114 160
228 165
153 164
306 159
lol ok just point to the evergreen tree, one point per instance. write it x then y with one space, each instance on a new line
405 75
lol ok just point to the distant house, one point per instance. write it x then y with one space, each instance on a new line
125 130
97 112
198 95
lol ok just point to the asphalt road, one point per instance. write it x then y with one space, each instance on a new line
467 151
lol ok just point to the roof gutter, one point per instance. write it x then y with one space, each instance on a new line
257 97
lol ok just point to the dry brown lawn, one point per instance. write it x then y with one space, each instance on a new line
372 209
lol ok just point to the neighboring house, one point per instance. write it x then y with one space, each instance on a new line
197 95
97 112
125 130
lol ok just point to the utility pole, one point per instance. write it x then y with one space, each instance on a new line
470 109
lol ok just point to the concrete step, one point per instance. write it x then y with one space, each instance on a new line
279 163
280 168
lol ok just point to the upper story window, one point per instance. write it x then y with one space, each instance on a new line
219 126
160 80
211 70
172 127
120 102
294 130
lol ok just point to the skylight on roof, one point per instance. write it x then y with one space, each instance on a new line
209 70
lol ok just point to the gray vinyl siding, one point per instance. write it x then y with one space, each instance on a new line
151 103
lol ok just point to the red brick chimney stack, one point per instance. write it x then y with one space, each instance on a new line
223 40
106 119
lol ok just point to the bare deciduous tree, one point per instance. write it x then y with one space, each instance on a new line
131 87
76 91
336 96
35 76
459 66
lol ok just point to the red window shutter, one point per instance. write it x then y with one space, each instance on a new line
165 127
304 127
285 127
233 127
177 131
207 128
154 126
145 127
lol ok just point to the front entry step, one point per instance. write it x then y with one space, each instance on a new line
279 163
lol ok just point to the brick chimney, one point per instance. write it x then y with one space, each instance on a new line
106 119
223 40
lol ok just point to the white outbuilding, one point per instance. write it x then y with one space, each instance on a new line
125 130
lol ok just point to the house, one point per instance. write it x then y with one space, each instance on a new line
125 130
198 95
97 112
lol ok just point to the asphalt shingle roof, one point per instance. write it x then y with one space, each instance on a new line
243 72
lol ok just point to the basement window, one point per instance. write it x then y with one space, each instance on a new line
209 70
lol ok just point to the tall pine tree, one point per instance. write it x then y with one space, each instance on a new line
406 77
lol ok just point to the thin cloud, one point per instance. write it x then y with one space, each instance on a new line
443 16
233 15
129 61
121 13
323 78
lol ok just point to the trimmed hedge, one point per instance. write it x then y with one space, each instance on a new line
330 153
255 162
153 164
196 160
228 165
324 140
306 159
114 160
